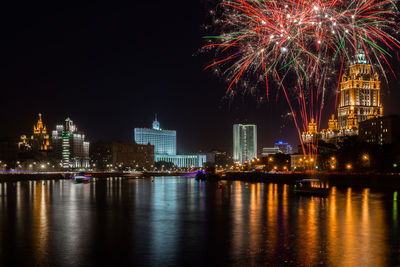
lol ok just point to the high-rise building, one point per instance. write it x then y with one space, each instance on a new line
244 142
39 141
359 101
164 141
70 147
359 94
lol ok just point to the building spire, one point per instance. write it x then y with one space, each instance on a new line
361 58
156 124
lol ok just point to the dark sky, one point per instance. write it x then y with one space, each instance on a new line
111 67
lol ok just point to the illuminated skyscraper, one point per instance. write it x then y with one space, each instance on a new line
70 147
359 94
244 142
164 141
359 101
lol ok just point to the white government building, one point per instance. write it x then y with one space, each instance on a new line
164 142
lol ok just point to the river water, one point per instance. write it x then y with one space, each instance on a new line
180 221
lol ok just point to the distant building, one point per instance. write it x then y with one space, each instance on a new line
285 148
164 141
382 130
266 151
39 141
70 147
220 158
360 100
183 161
244 142
111 155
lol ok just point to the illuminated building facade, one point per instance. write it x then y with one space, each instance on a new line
244 142
70 147
39 141
183 161
266 151
164 141
359 101
359 94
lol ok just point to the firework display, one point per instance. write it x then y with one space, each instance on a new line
300 45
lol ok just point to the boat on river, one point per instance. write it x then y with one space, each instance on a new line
311 187
207 175
81 178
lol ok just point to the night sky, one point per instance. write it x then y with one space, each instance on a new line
110 67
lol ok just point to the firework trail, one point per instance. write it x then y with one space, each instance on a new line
299 45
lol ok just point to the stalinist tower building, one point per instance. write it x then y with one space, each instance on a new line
359 94
359 101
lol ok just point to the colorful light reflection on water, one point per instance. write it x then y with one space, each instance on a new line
176 220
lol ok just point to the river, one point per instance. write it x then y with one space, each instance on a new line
180 221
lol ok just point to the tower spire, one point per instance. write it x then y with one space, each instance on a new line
361 58
156 124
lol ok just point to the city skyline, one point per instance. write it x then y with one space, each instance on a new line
80 62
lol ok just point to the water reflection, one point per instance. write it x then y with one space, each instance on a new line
175 220
40 223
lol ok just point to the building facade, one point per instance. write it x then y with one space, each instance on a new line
359 94
219 158
266 151
244 142
359 101
164 141
183 161
70 147
123 156
382 130
39 141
